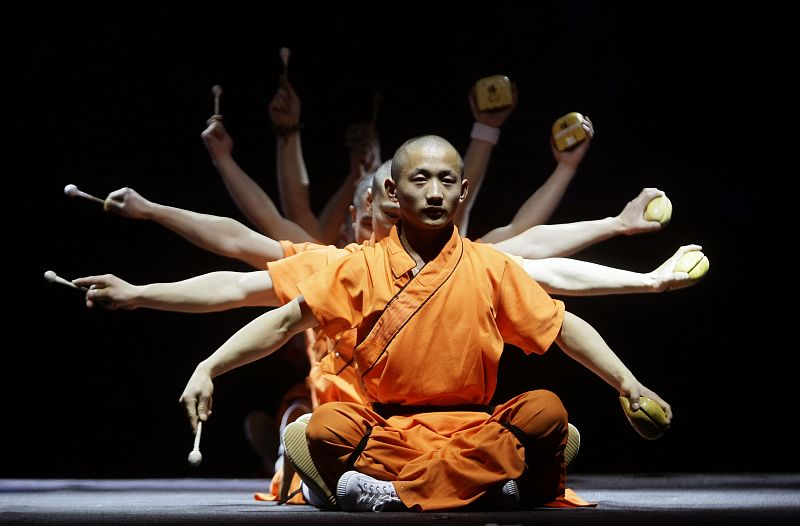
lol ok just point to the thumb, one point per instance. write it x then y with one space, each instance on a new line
109 205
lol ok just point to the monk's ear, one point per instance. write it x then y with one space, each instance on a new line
464 190
368 199
352 211
391 189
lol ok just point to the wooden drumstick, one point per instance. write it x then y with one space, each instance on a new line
376 100
284 53
195 457
72 191
217 91
52 277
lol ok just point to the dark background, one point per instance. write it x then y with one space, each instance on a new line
680 96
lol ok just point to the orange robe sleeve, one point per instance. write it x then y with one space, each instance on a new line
336 295
308 258
524 303
290 248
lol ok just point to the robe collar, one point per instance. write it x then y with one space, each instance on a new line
402 262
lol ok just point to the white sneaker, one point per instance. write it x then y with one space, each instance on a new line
294 441
505 497
359 492
312 498
573 445
509 496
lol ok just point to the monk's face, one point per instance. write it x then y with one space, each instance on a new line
385 211
429 187
362 220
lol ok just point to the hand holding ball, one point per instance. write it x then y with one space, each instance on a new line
659 209
649 420
695 263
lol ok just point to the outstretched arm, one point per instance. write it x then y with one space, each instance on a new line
293 181
583 343
539 207
251 199
362 142
220 235
293 184
259 338
485 134
211 292
545 241
572 277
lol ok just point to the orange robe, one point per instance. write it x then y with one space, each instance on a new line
435 339
331 376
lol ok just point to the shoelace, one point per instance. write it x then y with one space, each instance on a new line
379 495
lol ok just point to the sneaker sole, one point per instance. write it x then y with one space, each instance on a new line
510 496
573 445
341 486
294 441
286 481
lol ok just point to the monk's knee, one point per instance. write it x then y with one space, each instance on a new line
319 429
541 412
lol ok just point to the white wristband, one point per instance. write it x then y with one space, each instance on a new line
484 132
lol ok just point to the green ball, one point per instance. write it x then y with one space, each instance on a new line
659 209
649 420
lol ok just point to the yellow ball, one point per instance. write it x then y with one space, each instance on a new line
649 420
659 209
695 263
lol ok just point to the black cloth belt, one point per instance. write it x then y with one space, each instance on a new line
390 410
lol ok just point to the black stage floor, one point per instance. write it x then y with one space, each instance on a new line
634 499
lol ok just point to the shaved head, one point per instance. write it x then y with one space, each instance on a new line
383 172
360 192
401 156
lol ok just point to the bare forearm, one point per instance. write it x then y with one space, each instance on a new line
220 235
259 338
211 292
583 343
572 277
544 241
476 161
293 184
538 208
335 209
256 204
213 233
